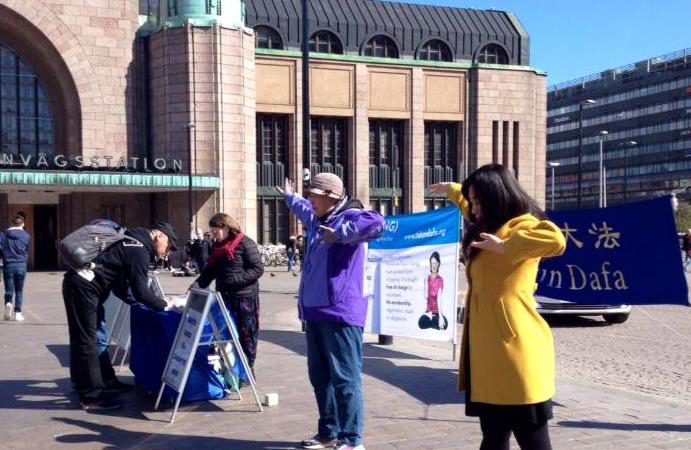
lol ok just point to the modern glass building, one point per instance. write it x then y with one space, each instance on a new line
639 115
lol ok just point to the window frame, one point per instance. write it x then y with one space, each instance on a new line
499 56
31 120
441 47
386 43
332 41
273 37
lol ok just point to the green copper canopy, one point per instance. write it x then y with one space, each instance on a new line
178 13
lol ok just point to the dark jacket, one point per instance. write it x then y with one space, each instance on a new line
238 277
14 245
125 266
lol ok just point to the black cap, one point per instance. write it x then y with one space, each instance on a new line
169 231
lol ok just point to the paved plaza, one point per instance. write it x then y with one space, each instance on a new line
624 386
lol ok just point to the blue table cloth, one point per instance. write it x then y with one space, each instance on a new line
153 334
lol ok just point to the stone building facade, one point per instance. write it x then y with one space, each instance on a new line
114 109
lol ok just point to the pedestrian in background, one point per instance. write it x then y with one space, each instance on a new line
290 253
686 247
333 305
14 246
236 267
507 364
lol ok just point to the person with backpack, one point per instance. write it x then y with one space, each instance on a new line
14 247
120 267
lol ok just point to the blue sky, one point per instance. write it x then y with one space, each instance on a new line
572 39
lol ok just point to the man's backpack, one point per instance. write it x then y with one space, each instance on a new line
81 247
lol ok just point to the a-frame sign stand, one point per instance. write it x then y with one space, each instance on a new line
201 306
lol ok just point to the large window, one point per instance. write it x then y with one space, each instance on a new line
272 159
272 162
26 120
325 42
272 221
434 50
441 158
386 165
381 46
267 37
492 54
329 146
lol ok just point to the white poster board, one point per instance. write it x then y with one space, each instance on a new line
411 276
189 336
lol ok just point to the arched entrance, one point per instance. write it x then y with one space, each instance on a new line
40 114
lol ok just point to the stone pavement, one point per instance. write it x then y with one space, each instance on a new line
410 394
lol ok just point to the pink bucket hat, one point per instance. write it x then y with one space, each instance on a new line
328 184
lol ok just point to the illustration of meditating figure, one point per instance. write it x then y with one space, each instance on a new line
434 286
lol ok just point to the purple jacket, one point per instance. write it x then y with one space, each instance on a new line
333 273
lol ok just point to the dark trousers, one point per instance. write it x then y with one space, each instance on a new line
530 436
90 367
245 311
426 322
334 363
14 276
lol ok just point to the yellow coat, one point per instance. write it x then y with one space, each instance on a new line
510 346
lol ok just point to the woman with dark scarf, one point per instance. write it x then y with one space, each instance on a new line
236 267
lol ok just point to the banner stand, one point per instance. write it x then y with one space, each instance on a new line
190 335
119 333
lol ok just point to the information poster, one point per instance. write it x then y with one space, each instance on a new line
186 339
411 276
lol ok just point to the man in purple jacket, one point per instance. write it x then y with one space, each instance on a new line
333 304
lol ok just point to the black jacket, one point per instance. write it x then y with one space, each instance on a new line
125 266
238 277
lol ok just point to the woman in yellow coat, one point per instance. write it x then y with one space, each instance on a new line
507 353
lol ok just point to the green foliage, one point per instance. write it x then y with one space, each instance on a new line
683 216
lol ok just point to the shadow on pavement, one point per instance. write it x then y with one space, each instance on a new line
427 384
113 438
685 428
57 395
61 352
568 321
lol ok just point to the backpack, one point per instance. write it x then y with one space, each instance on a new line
81 247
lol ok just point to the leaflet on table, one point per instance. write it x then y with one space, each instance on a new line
176 302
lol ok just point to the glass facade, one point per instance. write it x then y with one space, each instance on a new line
647 149
26 119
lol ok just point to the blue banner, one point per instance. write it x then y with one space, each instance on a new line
625 254
440 226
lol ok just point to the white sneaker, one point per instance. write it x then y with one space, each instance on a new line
18 316
350 447
8 311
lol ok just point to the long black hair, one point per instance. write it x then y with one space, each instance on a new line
435 255
501 199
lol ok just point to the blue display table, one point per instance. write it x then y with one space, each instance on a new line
153 334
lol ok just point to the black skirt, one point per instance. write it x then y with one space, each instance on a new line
536 413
